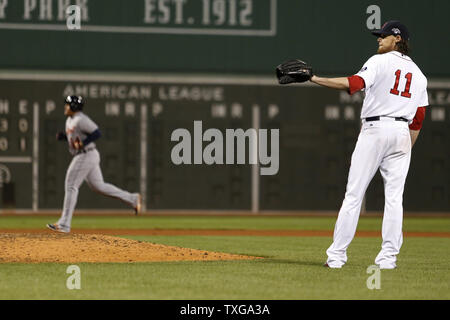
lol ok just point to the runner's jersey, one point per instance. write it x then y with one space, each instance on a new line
79 126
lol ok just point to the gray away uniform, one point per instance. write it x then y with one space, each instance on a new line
85 166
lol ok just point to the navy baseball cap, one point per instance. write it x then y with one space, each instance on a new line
393 27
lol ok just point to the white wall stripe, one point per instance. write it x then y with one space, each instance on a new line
65 76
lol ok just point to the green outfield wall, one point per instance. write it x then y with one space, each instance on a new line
215 36
137 115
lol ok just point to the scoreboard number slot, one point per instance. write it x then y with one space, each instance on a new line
3 144
3 125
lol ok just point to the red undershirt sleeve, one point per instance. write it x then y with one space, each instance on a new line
418 119
356 83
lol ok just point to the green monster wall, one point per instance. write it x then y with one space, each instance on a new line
215 36
318 129
148 67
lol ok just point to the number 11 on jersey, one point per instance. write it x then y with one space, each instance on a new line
405 92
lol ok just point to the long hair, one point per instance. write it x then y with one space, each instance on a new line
403 47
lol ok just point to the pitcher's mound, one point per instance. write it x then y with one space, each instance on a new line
69 248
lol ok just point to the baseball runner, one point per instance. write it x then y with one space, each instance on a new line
81 132
392 115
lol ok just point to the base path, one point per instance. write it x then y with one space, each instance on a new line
72 248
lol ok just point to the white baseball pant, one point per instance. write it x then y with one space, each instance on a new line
383 144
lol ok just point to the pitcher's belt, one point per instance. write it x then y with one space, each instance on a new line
378 118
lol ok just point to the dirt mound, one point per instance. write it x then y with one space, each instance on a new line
70 248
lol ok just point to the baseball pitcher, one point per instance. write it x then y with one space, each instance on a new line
392 114
81 132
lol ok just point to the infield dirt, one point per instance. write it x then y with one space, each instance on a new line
71 248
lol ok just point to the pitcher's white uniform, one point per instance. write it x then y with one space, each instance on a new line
394 89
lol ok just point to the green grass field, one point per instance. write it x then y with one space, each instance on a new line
292 268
